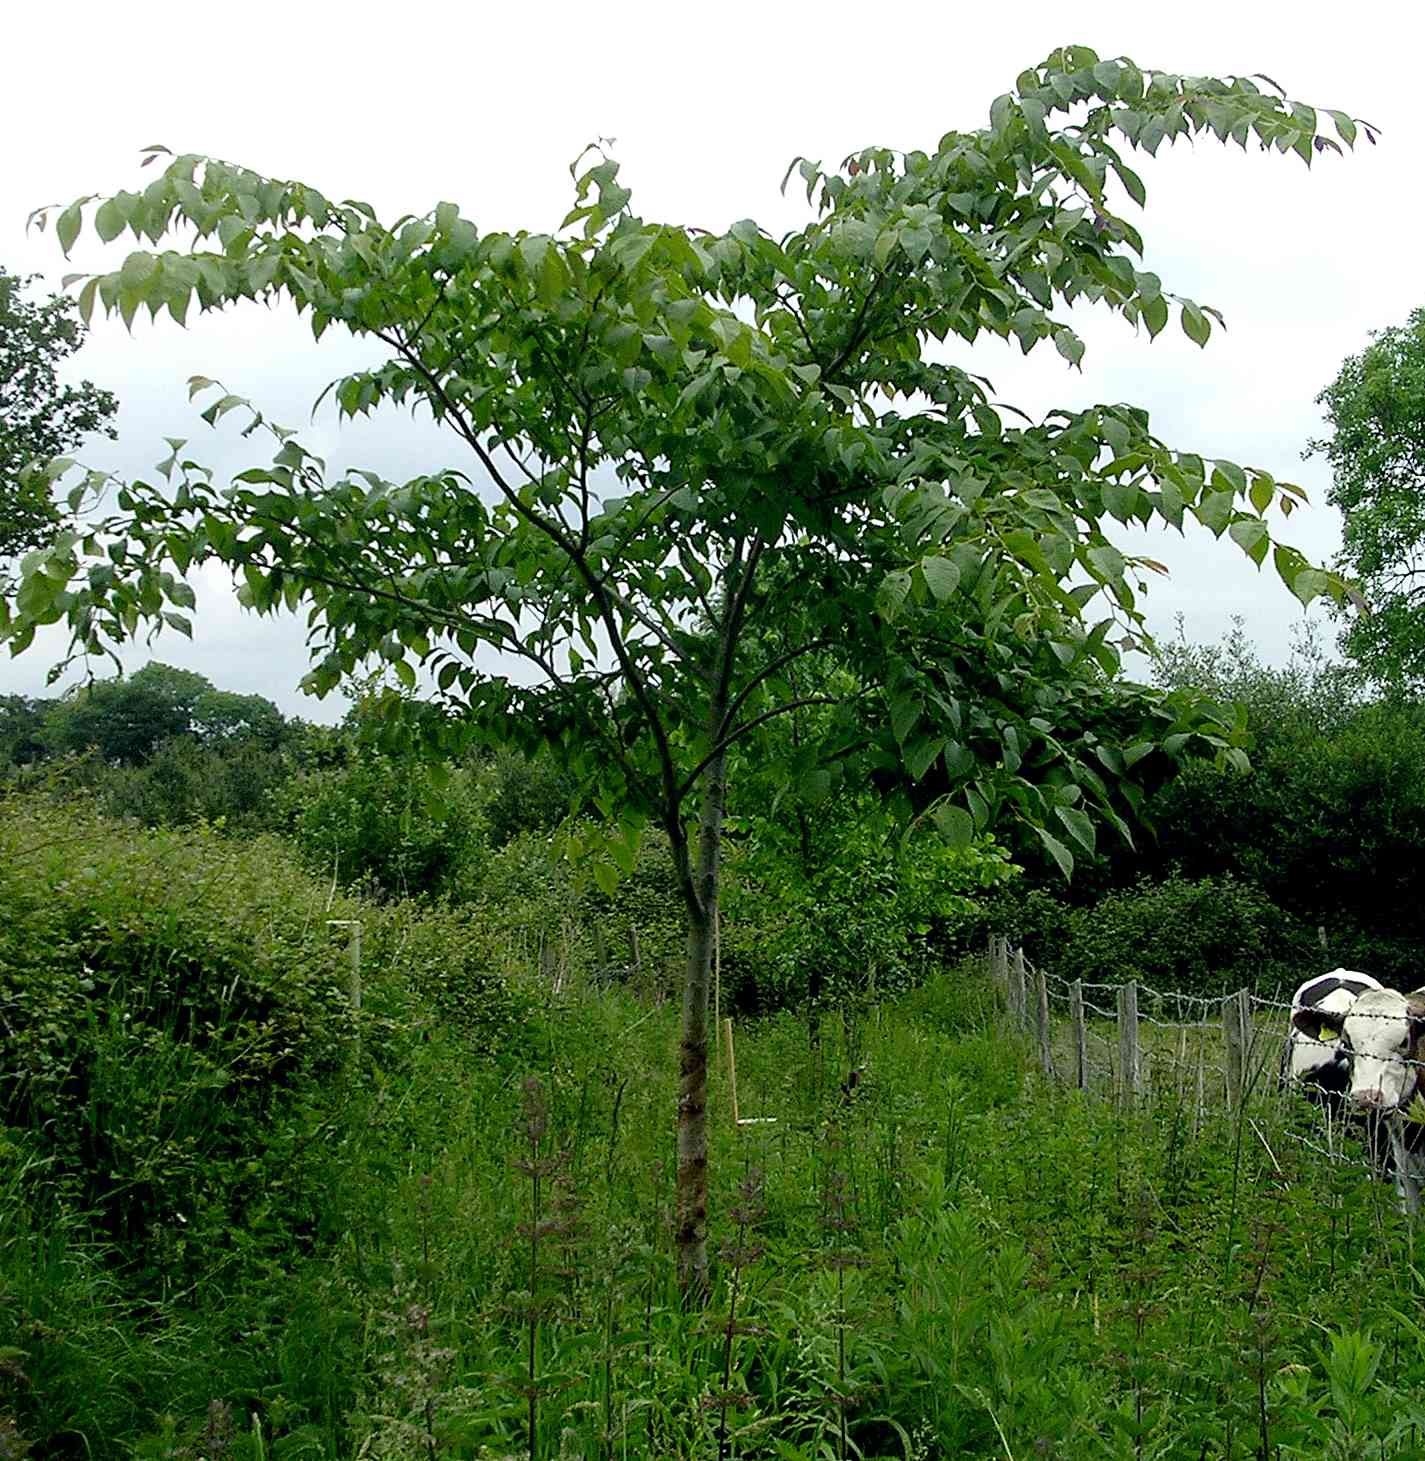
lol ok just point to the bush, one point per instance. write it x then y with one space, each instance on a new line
1198 936
525 796
861 919
176 1023
384 825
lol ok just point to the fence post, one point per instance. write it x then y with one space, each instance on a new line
999 964
731 1070
638 962
1081 1034
1234 1035
1041 1010
1018 998
1130 1075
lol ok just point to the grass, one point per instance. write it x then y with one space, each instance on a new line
954 1258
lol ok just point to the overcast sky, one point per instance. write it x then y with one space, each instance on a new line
487 106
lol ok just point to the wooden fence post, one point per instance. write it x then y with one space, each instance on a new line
1018 996
1201 1084
999 964
638 961
731 1069
1041 1020
1081 1034
1130 1074
1235 1031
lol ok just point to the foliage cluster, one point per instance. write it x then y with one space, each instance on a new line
1202 936
39 417
1375 409
1329 823
842 907
176 1013
772 411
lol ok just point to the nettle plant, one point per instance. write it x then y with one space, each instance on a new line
656 427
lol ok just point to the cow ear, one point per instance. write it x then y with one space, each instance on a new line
1415 1009
1318 1024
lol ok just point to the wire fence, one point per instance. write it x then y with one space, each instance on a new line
1136 1045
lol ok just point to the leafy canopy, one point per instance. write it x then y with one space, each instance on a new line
1376 410
38 417
653 416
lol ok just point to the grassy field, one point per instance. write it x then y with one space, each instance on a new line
456 1243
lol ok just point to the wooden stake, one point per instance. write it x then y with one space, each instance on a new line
1041 1020
1234 1040
1081 1034
731 1069
1130 1073
1018 997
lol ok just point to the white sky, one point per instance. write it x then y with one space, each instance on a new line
487 106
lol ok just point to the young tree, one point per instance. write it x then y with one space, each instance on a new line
38 417
1376 409
652 419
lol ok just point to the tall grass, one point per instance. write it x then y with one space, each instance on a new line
946 1257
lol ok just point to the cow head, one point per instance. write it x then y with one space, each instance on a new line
1313 1057
1383 1034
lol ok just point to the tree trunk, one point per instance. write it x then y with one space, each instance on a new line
692 1215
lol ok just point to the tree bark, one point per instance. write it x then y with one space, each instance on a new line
692 1184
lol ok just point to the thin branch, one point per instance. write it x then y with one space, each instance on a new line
767 672
750 725
575 553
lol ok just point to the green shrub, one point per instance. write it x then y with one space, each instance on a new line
384 825
177 1025
526 795
865 916
1199 936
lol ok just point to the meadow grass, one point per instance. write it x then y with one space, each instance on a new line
466 1252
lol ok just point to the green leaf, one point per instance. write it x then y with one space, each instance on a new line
67 226
942 577
1056 849
1068 344
1250 534
905 715
891 596
109 220
1196 326
921 756
955 824
1108 561
1079 825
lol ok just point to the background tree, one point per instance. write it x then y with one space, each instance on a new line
127 719
1376 409
39 418
660 417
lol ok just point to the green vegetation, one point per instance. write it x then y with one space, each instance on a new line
1376 447
692 445
338 1065
235 1220
39 417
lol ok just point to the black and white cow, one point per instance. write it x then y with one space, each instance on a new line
1313 1058
1383 1037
